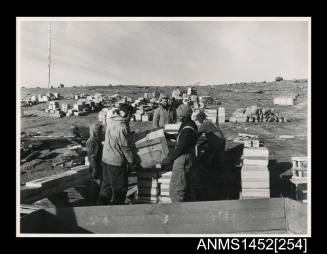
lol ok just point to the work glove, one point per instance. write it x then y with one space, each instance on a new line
166 161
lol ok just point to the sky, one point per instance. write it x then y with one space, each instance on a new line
163 52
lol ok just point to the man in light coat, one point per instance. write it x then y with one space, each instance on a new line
164 114
118 154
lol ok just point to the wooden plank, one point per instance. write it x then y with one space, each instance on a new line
244 135
147 143
256 184
296 216
80 175
146 135
255 161
256 151
164 200
164 180
50 180
172 128
218 217
166 174
131 191
179 208
28 209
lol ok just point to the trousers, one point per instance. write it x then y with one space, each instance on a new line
181 186
114 184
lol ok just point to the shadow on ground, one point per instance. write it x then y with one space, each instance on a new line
279 187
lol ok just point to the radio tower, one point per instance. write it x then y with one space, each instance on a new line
49 56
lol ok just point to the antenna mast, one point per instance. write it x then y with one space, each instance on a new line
49 56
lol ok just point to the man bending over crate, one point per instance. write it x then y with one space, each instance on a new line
181 183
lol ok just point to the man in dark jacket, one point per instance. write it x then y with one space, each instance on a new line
164 114
215 154
94 153
181 184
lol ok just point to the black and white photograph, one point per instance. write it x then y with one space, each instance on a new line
163 126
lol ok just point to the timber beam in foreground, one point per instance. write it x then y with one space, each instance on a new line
276 215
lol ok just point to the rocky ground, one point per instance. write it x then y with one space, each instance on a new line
35 121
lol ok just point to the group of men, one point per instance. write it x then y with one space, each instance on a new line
109 165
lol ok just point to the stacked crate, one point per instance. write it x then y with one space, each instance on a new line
299 167
147 117
284 100
212 115
151 148
45 98
221 115
78 107
299 178
54 109
148 186
255 173
164 181
65 107
138 116
194 98
249 140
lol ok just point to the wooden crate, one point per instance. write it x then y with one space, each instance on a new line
172 128
151 147
299 162
221 115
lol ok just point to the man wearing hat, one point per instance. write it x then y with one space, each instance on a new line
215 153
181 184
118 154
164 114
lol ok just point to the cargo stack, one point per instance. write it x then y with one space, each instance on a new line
212 115
255 173
56 95
299 178
80 108
164 181
148 187
284 100
65 108
249 140
194 98
221 115
54 109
